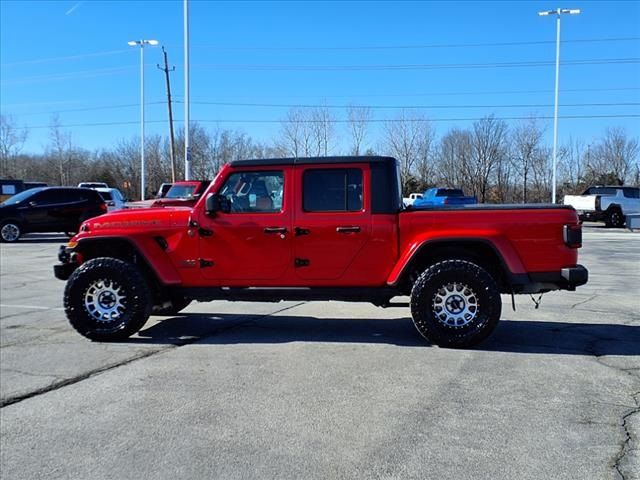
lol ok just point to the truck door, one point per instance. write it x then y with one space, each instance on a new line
253 242
331 222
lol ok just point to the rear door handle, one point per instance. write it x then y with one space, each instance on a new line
348 229
281 230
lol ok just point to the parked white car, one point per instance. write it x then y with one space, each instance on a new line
411 198
610 204
113 198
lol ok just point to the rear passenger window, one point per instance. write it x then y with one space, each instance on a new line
632 192
332 190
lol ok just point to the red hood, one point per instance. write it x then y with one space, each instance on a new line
138 220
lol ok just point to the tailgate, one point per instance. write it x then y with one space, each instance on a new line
581 203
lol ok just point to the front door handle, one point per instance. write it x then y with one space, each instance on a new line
281 230
348 229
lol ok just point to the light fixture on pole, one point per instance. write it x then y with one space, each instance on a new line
141 44
558 12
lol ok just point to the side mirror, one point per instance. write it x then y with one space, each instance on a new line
217 203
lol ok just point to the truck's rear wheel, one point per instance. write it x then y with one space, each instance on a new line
107 299
614 218
455 303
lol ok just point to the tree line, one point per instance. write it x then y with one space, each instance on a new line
491 159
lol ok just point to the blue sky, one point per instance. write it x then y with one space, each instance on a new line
58 56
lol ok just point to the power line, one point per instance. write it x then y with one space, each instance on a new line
336 48
89 109
59 59
290 105
414 47
375 107
384 120
541 63
96 72
435 94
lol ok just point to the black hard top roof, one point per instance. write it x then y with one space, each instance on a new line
310 160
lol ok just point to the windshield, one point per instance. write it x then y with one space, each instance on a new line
181 191
19 197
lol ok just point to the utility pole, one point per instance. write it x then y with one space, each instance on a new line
171 140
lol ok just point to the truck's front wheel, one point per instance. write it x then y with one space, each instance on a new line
455 303
107 299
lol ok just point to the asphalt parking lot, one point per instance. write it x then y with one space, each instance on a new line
323 389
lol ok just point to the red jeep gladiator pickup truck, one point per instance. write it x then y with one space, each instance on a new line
317 229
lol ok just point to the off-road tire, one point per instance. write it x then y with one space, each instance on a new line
173 306
614 218
10 231
122 285
472 291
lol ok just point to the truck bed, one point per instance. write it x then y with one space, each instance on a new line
490 206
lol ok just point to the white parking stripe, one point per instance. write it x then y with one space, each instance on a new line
30 307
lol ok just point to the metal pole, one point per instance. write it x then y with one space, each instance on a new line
555 110
172 152
142 120
187 146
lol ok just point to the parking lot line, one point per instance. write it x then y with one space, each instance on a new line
30 307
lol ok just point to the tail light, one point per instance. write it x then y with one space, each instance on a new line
103 208
598 202
446 201
572 235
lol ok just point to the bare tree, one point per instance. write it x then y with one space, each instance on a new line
295 134
12 139
489 148
526 142
454 159
359 118
323 128
425 164
615 155
59 150
404 139
572 159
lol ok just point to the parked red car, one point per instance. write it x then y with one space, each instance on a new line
182 194
318 229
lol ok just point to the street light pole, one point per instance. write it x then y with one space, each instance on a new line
557 12
187 145
141 44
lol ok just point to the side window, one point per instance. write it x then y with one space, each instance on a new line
632 192
50 197
8 190
254 192
332 190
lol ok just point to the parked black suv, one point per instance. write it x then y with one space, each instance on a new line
51 209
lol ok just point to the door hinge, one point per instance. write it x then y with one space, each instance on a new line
205 263
301 262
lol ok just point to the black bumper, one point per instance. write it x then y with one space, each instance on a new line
575 276
65 268
596 216
538 282
63 271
